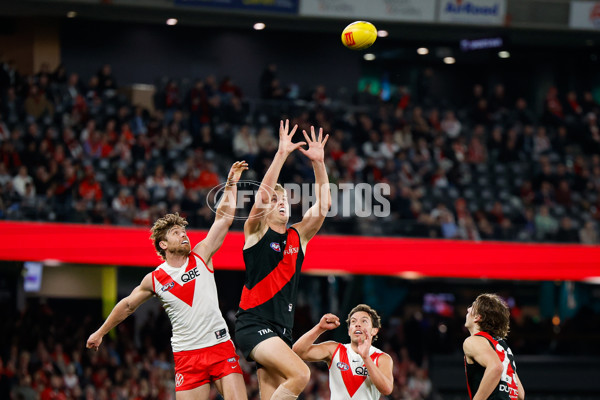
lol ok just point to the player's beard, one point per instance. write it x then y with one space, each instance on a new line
180 250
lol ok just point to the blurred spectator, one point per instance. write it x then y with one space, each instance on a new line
588 234
545 225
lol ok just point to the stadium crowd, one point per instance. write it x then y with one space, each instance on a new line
76 150
43 356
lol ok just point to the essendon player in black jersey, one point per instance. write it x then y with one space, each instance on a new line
273 254
489 362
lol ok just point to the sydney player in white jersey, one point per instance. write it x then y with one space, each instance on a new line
202 348
357 370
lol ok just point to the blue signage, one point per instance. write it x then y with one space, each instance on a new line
276 6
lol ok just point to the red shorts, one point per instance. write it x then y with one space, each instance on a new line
195 368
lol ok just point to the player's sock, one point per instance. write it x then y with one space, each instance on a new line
283 393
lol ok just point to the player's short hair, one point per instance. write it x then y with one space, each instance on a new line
375 318
279 188
160 229
494 313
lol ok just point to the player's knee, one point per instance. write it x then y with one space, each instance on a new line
302 376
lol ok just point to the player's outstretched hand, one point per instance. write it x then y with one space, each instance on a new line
329 322
236 172
94 341
286 146
364 345
316 145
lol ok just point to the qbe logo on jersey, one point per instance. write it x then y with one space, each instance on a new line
480 12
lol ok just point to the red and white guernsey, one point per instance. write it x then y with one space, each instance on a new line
348 375
189 296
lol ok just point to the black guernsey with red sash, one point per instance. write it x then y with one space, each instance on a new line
272 273
507 387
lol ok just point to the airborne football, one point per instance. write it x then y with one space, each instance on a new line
359 35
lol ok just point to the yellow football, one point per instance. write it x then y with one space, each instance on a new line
359 35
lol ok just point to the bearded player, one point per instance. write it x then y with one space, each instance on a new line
489 362
273 255
185 284
357 370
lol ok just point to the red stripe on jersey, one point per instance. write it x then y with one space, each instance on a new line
351 381
212 271
183 292
509 371
467 375
271 284
334 353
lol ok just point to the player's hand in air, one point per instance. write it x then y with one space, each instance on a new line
364 344
316 145
286 146
94 341
329 322
236 172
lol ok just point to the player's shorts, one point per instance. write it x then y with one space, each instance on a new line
194 368
251 330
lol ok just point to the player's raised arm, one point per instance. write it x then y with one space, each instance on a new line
314 216
306 348
122 310
257 215
478 349
381 372
224 214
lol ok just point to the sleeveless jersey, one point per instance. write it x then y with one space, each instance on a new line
189 296
272 273
507 388
348 376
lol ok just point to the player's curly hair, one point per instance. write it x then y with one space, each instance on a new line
375 318
160 229
494 313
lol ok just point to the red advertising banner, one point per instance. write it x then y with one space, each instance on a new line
409 258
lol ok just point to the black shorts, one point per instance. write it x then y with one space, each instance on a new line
250 330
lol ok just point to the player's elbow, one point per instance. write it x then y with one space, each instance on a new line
387 389
521 393
299 350
496 370
129 307
224 218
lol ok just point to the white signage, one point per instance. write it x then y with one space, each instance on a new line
585 15
389 10
477 12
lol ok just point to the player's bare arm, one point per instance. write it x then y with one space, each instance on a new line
306 348
224 214
122 310
477 349
521 394
381 375
314 216
255 225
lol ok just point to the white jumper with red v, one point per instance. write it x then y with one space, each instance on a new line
349 377
189 296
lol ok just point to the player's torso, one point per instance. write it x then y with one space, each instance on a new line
189 296
273 267
507 388
348 376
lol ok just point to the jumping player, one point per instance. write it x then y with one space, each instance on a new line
185 284
489 362
273 254
357 370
